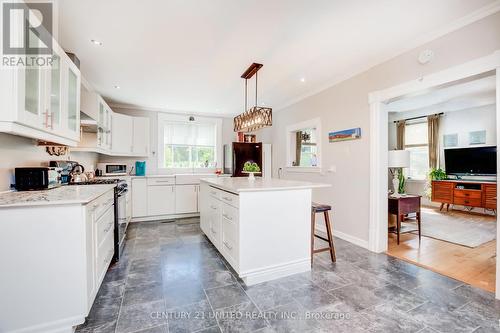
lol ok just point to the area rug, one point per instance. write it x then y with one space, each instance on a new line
458 227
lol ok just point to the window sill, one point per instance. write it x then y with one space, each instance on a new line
303 169
416 180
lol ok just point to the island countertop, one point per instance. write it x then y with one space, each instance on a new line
64 195
243 184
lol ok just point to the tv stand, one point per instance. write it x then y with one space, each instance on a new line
467 193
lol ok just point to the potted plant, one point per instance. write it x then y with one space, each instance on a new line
434 174
251 168
437 174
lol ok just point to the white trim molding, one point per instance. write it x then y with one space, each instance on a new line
379 139
311 123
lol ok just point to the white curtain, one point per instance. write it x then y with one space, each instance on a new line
198 134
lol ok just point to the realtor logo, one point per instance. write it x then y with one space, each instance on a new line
27 28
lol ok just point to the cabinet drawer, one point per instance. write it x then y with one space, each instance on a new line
229 213
161 181
473 202
214 193
105 224
104 256
229 198
100 205
471 194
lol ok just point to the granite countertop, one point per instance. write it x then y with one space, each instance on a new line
243 184
64 195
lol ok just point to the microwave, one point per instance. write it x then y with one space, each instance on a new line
36 178
112 169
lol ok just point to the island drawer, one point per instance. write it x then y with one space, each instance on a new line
229 198
230 213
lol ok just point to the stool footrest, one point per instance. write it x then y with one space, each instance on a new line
322 238
321 250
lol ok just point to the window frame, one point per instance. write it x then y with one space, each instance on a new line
164 118
311 123
419 145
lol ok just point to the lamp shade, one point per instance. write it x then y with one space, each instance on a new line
399 159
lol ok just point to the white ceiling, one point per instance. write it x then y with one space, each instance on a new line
188 55
461 96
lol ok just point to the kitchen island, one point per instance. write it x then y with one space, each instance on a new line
261 227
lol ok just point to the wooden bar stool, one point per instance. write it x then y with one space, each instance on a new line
319 208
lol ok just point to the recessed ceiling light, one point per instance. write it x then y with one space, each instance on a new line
302 79
96 42
117 87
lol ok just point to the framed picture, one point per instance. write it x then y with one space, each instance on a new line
477 137
450 140
344 135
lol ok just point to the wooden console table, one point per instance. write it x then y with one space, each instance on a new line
401 206
465 193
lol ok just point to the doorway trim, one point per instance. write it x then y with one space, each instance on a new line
379 128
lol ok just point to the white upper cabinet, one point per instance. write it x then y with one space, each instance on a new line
121 128
140 136
42 102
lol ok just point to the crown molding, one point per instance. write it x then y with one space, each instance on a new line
464 21
170 111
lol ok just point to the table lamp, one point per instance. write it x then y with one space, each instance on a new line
398 159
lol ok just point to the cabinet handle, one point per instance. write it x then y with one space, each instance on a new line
213 231
213 207
162 181
173 189
227 245
213 192
227 198
227 217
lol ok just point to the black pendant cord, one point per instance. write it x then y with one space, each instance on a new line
246 92
256 82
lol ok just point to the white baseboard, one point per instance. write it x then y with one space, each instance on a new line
163 217
275 272
351 239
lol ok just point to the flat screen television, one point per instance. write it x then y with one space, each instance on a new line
478 161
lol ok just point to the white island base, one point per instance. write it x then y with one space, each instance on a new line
262 228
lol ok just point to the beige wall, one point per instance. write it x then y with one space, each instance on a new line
16 151
345 105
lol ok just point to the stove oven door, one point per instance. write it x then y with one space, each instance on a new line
122 217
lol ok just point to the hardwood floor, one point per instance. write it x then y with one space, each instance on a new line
475 266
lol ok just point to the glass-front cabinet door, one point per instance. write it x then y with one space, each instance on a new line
54 100
73 102
33 98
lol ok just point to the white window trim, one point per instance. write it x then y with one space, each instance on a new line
311 123
166 117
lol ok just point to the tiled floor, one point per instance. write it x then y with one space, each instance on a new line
172 279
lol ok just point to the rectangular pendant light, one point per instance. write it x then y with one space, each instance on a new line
256 117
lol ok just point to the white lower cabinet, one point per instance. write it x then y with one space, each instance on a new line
186 199
54 258
161 200
139 197
220 221
155 196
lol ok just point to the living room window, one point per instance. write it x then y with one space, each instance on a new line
416 141
185 144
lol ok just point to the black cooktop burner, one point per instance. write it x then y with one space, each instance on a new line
98 181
